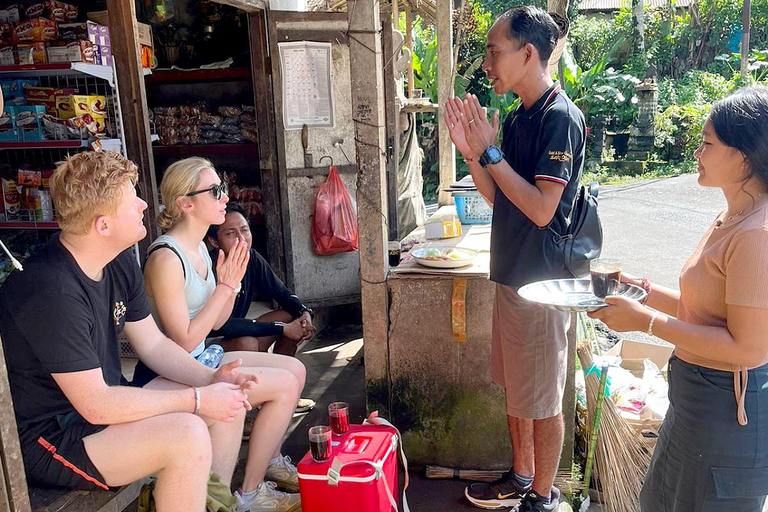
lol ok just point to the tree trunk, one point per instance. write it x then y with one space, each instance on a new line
745 38
638 31
558 6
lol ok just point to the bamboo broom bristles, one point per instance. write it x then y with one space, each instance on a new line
622 459
563 479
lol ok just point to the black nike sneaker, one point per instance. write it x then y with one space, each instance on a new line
535 503
503 493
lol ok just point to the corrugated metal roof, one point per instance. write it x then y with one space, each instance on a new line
425 8
615 5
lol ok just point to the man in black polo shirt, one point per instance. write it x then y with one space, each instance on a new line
531 181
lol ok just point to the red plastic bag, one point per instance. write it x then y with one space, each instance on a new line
334 228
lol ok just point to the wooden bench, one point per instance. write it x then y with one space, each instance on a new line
15 496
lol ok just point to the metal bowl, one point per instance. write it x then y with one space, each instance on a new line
573 294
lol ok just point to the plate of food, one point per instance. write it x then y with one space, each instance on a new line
444 257
573 294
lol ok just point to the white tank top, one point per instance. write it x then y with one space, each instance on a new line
197 290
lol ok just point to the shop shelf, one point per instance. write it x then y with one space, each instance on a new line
23 224
60 69
246 149
113 144
171 76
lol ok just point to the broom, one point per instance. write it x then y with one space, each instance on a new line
563 479
622 459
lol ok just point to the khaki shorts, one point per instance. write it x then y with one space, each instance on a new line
529 355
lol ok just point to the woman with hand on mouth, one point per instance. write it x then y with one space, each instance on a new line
188 300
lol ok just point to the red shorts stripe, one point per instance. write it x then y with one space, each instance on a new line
52 449
551 178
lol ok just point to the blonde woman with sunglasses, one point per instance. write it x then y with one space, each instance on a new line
188 300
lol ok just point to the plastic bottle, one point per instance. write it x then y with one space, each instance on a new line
211 357
46 205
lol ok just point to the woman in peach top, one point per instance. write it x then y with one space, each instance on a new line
712 452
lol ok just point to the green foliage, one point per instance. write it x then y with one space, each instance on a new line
600 90
592 37
678 130
653 170
696 87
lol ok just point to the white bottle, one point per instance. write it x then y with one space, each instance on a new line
46 205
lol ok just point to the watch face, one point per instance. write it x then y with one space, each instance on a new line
495 155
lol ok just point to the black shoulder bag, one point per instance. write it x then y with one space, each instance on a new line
583 237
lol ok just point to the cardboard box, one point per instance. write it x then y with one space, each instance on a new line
28 123
104 56
444 226
32 53
13 90
8 55
8 131
78 105
46 96
80 50
633 353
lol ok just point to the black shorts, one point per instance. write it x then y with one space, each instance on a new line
54 453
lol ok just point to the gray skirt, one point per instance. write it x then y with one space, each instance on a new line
704 460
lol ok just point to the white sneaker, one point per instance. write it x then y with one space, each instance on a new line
284 474
268 499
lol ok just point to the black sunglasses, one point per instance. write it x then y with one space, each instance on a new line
216 190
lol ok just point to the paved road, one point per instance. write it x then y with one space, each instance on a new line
653 226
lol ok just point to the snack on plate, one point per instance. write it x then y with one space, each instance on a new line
442 255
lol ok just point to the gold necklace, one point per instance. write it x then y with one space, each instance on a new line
741 212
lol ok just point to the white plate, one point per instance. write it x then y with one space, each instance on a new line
418 255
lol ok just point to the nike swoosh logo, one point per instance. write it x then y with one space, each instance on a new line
504 496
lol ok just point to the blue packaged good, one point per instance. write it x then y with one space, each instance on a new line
28 122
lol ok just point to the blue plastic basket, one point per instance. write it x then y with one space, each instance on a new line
472 208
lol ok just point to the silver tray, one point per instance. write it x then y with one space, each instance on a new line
573 294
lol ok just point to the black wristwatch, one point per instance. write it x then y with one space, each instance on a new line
308 310
492 155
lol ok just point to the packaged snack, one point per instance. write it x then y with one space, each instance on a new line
78 50
60 12
29 177
77 105
32 53
36 29
8 55
13 90
11 14
8 132
46 96
230 111
11 199
7 33
28 123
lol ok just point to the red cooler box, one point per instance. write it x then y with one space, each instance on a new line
360 487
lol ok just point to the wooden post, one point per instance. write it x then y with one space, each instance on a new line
367 80
396 13
409 44
14 496
261 71
393 125
133 104
446 151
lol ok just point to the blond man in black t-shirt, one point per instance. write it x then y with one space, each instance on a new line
531 181
80 425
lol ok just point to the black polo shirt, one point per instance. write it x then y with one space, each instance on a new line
545 142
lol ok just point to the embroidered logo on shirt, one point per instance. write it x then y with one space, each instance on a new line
560 156
119 311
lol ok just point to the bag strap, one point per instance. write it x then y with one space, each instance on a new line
166 246
334 473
